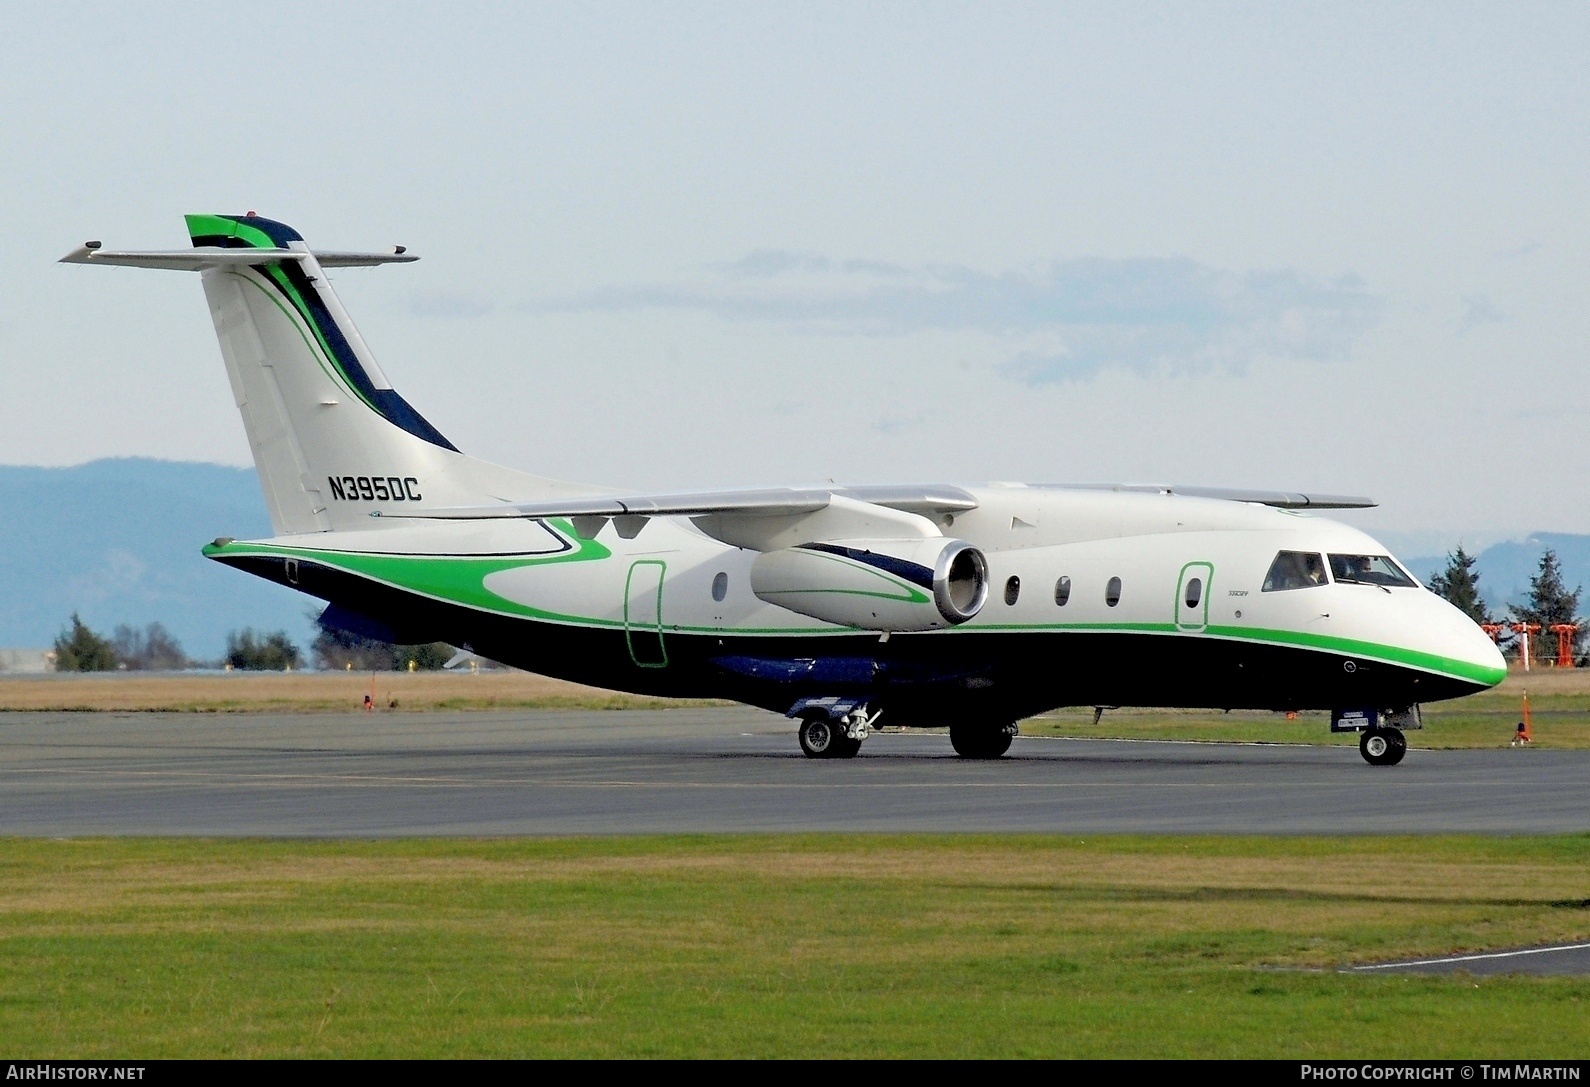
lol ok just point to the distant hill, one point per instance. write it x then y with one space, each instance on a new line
118 542
1505 568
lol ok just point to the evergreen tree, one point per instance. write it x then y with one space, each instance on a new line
81 650
1550 602
262 652
1458 584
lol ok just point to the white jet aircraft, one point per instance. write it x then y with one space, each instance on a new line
966 606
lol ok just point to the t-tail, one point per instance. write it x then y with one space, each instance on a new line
333 441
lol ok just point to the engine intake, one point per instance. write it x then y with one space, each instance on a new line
888 585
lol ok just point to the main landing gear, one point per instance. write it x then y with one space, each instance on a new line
1382 746
832 728
980 740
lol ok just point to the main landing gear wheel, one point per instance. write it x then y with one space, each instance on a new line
1382 746
824 739
981 740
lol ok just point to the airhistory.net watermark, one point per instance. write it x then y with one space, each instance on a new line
52 1071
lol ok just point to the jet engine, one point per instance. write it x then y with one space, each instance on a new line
884 585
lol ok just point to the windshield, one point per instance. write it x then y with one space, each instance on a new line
1295 570
1369 570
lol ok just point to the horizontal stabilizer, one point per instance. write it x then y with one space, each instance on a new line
202 257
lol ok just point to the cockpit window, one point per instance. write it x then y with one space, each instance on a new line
1295 570
1369 570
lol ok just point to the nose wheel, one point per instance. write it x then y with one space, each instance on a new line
1382 746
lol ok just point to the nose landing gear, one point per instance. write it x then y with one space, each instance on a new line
1380 732
1382 746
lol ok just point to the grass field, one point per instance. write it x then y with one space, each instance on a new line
1559 706
784 946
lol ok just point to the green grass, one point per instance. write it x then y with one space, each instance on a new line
1560 720
784 946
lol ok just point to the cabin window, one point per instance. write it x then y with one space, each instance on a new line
1195 592
1012 590
1369 570
1062 591
720 586
1295 570
1112 592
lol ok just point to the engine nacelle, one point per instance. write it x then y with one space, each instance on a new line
876 584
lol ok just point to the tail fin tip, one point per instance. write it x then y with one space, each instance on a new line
240 231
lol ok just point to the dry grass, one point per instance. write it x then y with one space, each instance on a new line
310 692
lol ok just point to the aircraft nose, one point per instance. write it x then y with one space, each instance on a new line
1467 651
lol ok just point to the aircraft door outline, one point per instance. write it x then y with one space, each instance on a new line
643 629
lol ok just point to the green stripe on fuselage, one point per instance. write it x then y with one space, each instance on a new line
456 579
460 579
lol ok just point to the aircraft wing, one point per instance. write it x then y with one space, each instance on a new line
766 502
1286 500
762 518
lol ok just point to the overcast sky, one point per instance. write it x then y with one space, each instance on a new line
1342 247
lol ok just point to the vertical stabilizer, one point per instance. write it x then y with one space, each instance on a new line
333 441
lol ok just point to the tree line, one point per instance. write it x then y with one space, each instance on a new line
152 648
1550 603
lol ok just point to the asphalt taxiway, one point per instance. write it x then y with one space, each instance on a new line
1556 960
690 770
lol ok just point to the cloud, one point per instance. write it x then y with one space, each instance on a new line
765 263
1056 321
1478 309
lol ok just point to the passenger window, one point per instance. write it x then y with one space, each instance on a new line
720 586
1195 592
1295 570
1012 590
1062 591
1112 592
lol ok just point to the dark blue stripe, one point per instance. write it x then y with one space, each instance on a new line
392 407
915 573
387 403
280 233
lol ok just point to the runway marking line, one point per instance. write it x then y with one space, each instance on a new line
1471 958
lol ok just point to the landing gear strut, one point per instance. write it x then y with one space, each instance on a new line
1382 746
1381 739
832 728
825 739
981 740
